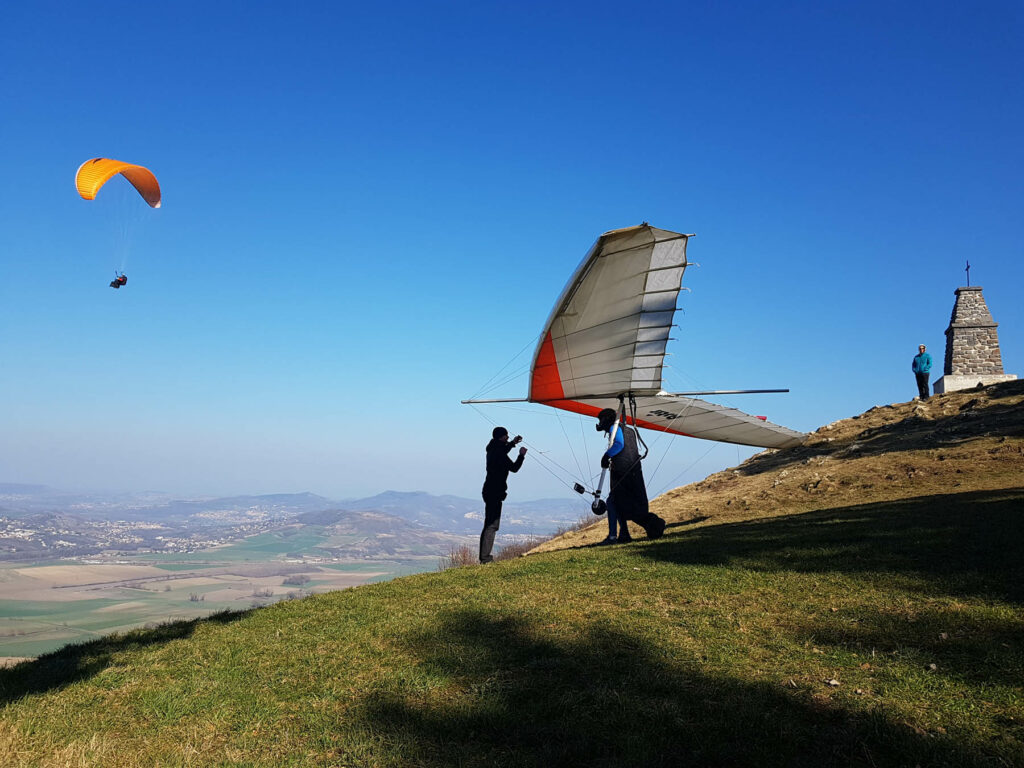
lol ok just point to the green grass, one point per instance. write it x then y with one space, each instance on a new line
710 647
31 629
259 548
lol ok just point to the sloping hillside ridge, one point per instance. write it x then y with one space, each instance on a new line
866 634
971 440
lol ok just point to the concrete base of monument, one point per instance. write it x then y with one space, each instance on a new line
953 383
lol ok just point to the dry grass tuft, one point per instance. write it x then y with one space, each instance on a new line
519 548
457 557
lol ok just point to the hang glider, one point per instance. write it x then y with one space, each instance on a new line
606 337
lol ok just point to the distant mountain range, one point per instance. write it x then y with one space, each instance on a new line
443 514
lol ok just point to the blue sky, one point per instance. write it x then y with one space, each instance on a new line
369 209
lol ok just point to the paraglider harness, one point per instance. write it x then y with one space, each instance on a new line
599 506
120 279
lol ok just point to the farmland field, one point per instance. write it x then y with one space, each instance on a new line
45 606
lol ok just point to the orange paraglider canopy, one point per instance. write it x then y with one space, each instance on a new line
93 174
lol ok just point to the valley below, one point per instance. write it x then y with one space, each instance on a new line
76 567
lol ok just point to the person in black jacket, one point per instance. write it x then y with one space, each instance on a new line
496 485
627 494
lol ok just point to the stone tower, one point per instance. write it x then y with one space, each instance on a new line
972 345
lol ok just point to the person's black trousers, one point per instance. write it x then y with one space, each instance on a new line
630 498
922 385
492 521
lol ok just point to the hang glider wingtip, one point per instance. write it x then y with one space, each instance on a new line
473 401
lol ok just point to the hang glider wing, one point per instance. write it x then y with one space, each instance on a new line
607 335
93 174
692 417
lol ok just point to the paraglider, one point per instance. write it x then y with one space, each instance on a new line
93 174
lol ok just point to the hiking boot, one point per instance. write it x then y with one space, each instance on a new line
627 539
657 530
609 540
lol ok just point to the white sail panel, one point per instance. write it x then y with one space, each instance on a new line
608 330
697 418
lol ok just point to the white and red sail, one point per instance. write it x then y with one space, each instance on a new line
606 338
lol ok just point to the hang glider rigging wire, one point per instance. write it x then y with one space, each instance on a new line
543 459
489 386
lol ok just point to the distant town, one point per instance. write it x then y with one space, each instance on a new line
60 536
38 523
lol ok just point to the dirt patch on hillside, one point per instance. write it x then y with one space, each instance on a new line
965 441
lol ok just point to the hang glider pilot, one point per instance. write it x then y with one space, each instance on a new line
118 281
496 485
627 495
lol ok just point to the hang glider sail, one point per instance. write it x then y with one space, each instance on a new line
606 339
93 174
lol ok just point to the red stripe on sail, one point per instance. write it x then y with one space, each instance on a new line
546 388
546 381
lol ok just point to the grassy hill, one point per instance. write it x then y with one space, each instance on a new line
948 445
855 601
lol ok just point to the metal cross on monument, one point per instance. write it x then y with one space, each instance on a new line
968 271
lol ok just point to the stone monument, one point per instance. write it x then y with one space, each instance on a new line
972 345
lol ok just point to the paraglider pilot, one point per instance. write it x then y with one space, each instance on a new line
120 280
627 495
496 485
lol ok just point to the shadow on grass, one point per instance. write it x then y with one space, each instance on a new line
80 661
506 692
978 648
689 522
914 433
637 532
964 544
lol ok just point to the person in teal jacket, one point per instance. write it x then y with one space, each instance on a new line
921 367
